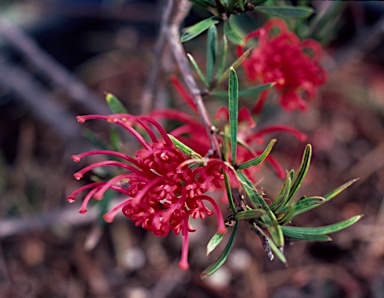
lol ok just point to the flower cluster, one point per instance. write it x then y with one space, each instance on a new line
164 186
283 59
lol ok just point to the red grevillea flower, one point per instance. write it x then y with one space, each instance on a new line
285 60
162 190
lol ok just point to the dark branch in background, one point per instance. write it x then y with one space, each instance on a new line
180 8
41 102
52 71
147 97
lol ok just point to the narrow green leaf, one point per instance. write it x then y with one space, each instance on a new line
231 33
229 192
241 4
203 3
115 105
258 2
223 257
222 57
257 200
257 160
338 190
195 30
247 92
322 230
288 215
197 69
214 242
233 106
184 148
299 236
308 204
283 196
249 214
286 11
211 51
234 65
305 162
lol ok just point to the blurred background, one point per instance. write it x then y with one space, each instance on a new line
57 60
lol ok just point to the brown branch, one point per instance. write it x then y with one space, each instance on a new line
180 9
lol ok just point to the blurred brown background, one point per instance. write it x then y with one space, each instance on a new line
59 57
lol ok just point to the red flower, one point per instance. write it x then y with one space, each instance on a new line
163 190
286 61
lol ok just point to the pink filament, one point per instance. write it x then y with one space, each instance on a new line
78 157
183 264
110 215
221 226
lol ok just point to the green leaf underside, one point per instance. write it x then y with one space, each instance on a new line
195 30
223 257
247 92
115 105
229 192
184 148
308 204
257 160
231 33
269 218
222 57
286 11
214 242
234 65
283 196
298 236
249 214
233 106
211 51
321 230
197 69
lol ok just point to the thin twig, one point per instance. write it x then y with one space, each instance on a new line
179 11
158 53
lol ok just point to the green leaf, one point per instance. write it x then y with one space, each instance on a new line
195 30
233 106
234 65
249 214
197 69
257 200
281 200
273 246
214 242
229 192
231 33
294 235
257 160
203 3
338 190
241 4
184 148
322 230
258 2
305 162
211 51
115 105
286 11
307 204
247 92
288 215
222 58
223 257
